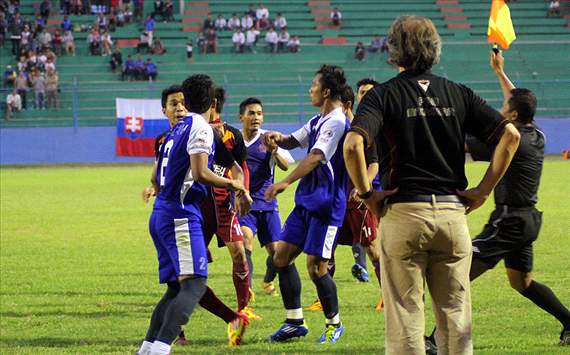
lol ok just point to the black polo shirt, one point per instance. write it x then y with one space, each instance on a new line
420 121
519 185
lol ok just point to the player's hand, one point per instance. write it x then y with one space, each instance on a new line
271 139
274 190
497 62
147 193
243 203
474 198
237 185
354 196
374 203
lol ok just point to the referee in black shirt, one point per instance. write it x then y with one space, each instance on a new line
423 119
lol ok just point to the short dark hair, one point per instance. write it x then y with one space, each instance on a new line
332 78
366 81
172 89
198 90
249 101
220 95
347 96
523 101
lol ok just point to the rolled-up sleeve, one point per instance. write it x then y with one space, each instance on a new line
369 118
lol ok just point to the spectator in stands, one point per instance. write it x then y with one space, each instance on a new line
116 60
151 70
208 23
13 103
66 24
280 21
113 21
201 42
157 47
251 39
126 13
284 38
65 6
294 44
378 44
220 24
246 22
234 22
359 52
272 39
189 49
25 39
22 64
52 85
15 29
168 11
106 43
238 40
263 23
22 86
143 42
9 76
3 28
49 65
45 9
139 68
77 7
94 41
149 28
553 8
158 9
138 9
39 84
56 42
336 17
251 11
261 12
211 41
102 21
45 39
68 43
128 69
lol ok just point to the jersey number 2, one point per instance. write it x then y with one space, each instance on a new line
167 146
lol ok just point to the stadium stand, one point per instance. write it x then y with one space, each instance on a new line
538 59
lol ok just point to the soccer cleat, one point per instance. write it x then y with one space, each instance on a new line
181 339
269 288
289 331
431 346
250 312
565 337
360 273
236 329
315 306
380 305
332 334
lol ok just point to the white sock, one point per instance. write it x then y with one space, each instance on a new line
294 313
334 320
159 348
145 348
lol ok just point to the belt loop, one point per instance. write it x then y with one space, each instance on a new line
433 200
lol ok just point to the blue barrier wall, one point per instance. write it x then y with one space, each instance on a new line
28 146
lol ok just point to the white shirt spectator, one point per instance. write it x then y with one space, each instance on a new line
251 35
246 22
220 23
284 37
272 37
294 42
42 58
336 14
238 38
67 37
262 10
280 22
15 101
554 5
50 65
45 38
234 23
107 38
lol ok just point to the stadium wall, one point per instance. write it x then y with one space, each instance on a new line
32 146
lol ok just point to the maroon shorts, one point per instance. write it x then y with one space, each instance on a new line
222 220
359 226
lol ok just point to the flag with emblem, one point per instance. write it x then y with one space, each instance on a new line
500 30
139 122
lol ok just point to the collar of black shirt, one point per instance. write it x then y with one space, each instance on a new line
413 74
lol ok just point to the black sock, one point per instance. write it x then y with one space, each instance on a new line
326 288
250 265
270 272
359 254
180 308
290 286
157 317
331 266
543 297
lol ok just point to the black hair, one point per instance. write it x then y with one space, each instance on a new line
366 81
249 101
220 95
198 90
523 101
332 78
173 89
347 96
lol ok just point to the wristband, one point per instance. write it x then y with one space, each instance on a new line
366 195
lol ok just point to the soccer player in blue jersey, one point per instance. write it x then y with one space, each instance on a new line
320 203
263 219
176 222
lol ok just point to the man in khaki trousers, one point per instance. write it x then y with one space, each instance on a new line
420 120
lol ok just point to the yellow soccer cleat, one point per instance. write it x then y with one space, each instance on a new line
269 288
236 329
315 306
380 305
250 312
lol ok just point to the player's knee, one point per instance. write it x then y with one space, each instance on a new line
520 281
280 260
317 268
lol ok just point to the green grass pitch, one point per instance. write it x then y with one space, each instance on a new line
78 274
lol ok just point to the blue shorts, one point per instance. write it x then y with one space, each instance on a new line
309 232
180 246
266 224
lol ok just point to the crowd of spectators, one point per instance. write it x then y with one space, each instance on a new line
134 69
377 45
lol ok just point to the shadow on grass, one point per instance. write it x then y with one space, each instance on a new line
82 293
104 314
51 342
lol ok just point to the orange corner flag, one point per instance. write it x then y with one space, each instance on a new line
501 30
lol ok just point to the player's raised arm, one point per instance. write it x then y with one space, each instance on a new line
497 63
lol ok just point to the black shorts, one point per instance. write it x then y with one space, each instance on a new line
509 235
